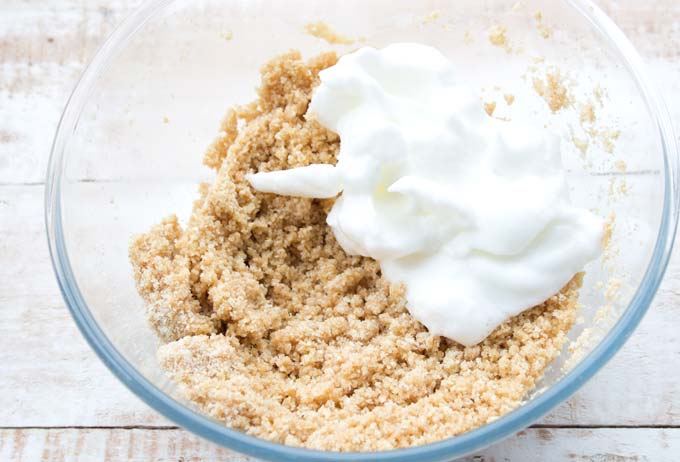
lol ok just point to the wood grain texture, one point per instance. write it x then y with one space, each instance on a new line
174 445
44 46
37 325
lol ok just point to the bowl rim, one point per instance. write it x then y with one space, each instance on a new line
439 451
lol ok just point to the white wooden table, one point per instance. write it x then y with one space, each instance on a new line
59 403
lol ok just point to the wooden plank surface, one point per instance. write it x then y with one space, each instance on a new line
43 48
173 445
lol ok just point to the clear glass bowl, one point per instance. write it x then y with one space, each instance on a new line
128 150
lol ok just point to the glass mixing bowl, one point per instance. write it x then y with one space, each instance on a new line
129 145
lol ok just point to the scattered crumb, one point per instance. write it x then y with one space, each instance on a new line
597 133
498 37
598 92
490 107
323 31
612 290
587 114
611 190
517 5
509 98
581 144
553 90
579 348
543 30
432 16
589 337
227 35
604 312
608 230
272 329
605 136
467 37
607 238
608 138
166 120
620 165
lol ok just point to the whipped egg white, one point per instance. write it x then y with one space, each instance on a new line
471 213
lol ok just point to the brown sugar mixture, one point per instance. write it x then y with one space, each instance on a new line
271 328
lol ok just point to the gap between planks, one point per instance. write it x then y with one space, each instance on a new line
173 427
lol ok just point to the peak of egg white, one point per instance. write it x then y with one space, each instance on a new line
472 214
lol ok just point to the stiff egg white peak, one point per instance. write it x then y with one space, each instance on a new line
471 213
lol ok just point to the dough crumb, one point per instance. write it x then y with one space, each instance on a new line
509 98
323 31
612 291
605 136
587 115
609 137
490 107
545 31
432 16
498 37
581 144
608 231
607 250
599 93
621 166
553 90
271 328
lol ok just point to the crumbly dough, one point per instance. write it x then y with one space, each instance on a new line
271 328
